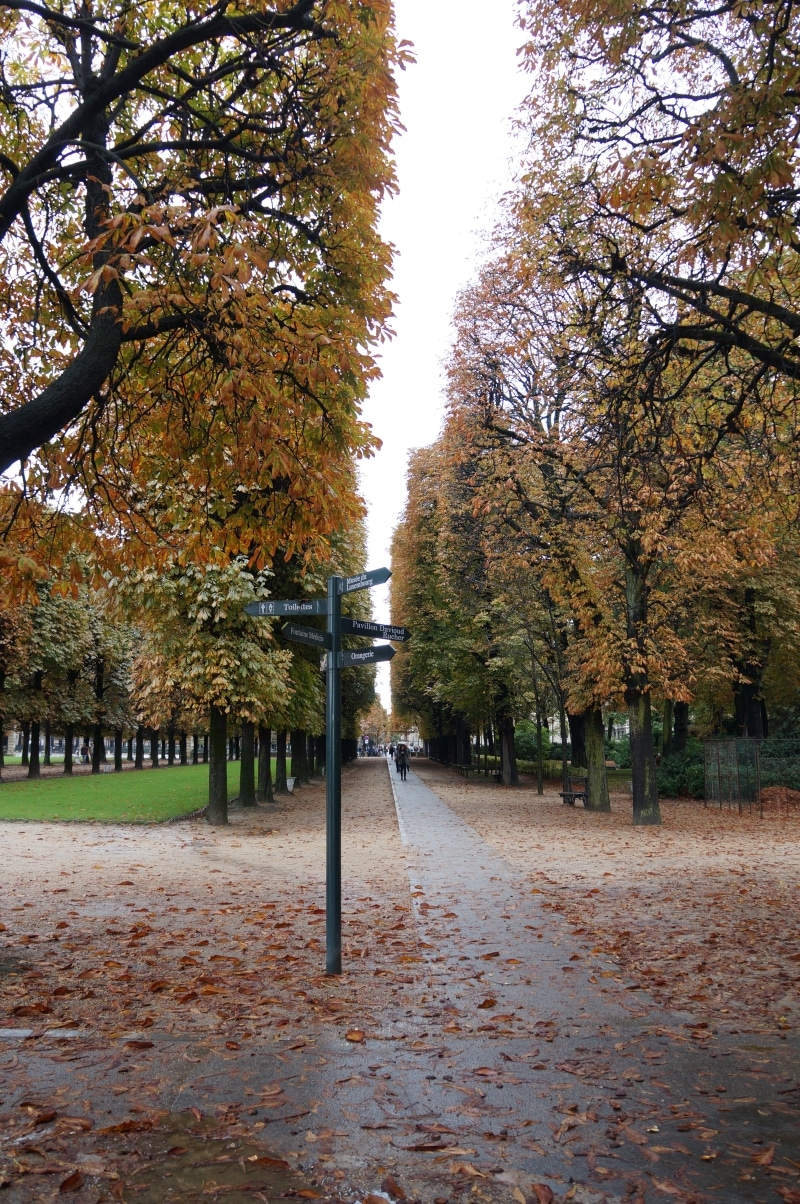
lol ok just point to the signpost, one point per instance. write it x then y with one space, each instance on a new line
336 659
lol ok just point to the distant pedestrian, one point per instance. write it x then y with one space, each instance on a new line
391 751
85 753
401 760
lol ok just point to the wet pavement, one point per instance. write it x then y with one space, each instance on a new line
506 1057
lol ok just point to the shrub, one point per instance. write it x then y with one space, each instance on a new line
525 740
682 774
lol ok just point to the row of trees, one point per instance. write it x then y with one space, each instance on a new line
194 289
172 655
610 516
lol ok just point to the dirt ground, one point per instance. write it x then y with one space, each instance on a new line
702 911
127 951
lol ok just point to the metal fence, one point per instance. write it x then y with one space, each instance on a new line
732 775
750 775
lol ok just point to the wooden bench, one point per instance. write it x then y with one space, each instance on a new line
576 789
465 770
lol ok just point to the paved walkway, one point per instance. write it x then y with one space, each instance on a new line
596 1086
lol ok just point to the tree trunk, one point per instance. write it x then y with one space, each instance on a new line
69 740
138 761
47 742
34 770
118 750
26 742
508 754
681 727
280 764
666 727
643 760
183 749
129 754
299 759
170 746
320 753
247 772
562 721
539 753
218 767
195 748
98 748
577 739
637 696
154 747
205 748
264 793
749 718
596 779
310 760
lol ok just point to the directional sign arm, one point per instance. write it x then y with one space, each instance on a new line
367 656
364 580
306 635
272 608
381 631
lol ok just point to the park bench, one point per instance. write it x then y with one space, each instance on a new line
576 789
465 770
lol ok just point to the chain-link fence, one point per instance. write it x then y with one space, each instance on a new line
752 775
731 775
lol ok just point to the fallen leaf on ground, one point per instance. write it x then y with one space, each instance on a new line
393 1188
73 1182
543 1193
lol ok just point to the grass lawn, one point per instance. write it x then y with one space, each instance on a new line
136 797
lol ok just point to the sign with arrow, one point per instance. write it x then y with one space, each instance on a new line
284 606
379 631
366 656
364 580
306 635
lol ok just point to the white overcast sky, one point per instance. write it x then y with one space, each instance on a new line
454 161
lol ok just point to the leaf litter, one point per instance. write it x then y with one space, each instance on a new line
220 948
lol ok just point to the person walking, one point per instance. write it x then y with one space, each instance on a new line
402 761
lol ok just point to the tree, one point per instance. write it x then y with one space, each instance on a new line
197 638
679 122
158 163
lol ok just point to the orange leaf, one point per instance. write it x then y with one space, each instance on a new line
356 1035
765 1158
73 1182
393 1188
543 1193
488 1003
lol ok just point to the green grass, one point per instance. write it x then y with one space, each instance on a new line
134 797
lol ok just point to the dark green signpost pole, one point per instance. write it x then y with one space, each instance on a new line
333 782
332 640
